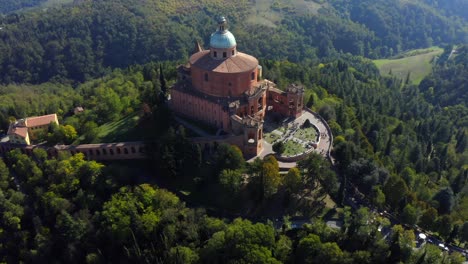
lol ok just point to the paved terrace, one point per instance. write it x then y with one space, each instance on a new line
324 146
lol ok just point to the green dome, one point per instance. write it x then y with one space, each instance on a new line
222 40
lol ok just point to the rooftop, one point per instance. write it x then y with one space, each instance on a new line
20 131
222 40
40 120
240 63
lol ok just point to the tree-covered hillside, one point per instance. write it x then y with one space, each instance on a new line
82 41
448 84
403 25
450 7
8 6
398 147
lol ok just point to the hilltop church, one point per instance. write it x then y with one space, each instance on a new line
223 87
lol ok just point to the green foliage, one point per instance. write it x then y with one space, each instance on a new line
62 134
81 41
428 218
395 190
447 85
367 174
278 147
402 244
4 176
292 181
377 196
14 5
444 225
137 210
445 200
312 250
229 157
316 171
180 254
241 241
231 181
409 140
464 232
270 177
409 215
283 248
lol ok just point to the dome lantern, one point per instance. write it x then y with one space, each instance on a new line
222 39
222 24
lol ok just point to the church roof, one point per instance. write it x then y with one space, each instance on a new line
222 40
241 62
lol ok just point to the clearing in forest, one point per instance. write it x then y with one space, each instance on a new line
416 64
269 12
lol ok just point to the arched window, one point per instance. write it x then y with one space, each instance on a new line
206 77
232 52
224 54
252 76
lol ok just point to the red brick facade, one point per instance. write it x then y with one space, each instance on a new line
223 88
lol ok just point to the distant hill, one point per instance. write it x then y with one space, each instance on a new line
450 7
87 39
447 85
7 6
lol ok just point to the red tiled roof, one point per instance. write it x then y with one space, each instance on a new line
40 120
20 131
241 62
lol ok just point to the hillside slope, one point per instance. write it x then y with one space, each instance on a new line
83 41
413 67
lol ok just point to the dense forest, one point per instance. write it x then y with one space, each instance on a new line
402 147
8 6
84 41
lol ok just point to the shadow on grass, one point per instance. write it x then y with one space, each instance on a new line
129 128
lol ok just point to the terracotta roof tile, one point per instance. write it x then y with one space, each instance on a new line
20 131
40 120
241 62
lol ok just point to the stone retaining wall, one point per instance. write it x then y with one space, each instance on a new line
103 151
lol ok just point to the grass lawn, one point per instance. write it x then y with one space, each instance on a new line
54 3
124 129
292 148
306 134
47 4
264 14
418 63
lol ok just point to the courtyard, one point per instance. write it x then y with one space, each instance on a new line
275 131
297 136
